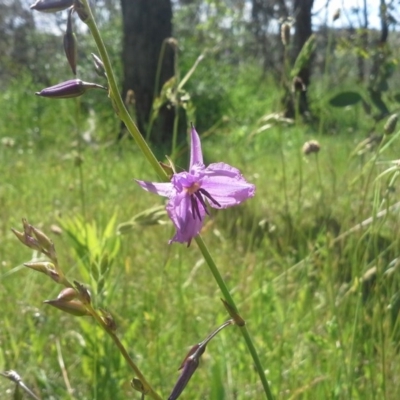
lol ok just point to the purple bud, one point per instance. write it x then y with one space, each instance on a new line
70 46
189 366
67 89
50 6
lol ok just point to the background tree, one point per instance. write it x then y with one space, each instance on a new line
146 24
303 30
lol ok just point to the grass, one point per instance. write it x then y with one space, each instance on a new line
324 328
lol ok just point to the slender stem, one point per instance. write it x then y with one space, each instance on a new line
117 101
227 296
147 389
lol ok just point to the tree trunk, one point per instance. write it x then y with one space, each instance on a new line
303 30
146 24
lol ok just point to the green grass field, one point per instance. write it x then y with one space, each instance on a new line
320 293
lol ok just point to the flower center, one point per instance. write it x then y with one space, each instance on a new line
196 194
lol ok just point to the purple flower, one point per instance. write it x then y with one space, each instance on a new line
218 184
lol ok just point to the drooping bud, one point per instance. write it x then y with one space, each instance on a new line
99 66
191 362
74 307
311 146
390 124
188 367
70 44
68 89
50 6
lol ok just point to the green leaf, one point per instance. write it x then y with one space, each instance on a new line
345 99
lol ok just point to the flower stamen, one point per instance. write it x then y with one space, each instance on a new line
208 195
195 207
203 203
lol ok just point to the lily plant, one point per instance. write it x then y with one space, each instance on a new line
189 193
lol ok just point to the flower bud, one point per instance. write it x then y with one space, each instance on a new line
285 33
390 125
67 294
70 45
46 268
43 240
189 366
26 237
50 6
28 241
74 307
68 89
99 66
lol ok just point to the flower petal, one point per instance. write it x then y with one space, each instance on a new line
226 185
187 225
196 155
163 189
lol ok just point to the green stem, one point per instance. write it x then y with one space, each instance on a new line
117 101
147 389
228 298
